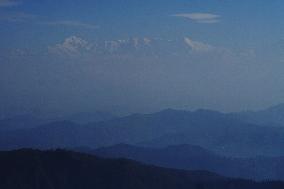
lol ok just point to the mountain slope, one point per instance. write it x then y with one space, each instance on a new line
89 117
196 158
61 169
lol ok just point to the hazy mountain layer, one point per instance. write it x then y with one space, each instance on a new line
211 130
196 158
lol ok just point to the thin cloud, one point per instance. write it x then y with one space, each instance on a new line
9 3
204 18
197 46
16 17
68 23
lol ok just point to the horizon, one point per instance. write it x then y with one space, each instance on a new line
58 115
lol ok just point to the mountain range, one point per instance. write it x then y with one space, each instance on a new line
238 145
196 158
222 133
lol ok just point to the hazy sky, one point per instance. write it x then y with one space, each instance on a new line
128 56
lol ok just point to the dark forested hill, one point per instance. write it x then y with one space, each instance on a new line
30 169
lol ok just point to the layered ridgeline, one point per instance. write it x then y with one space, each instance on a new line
27 121
61 169
196 158
225 134
273 116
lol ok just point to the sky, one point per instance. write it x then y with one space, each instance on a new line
129 56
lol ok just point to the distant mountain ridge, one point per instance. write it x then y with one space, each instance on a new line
196 158
272 116
28 121
90 117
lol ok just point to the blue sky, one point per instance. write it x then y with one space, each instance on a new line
247 21
219 54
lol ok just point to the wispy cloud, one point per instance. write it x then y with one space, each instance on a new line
9 3
16 16
198 46
204 18
68 23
